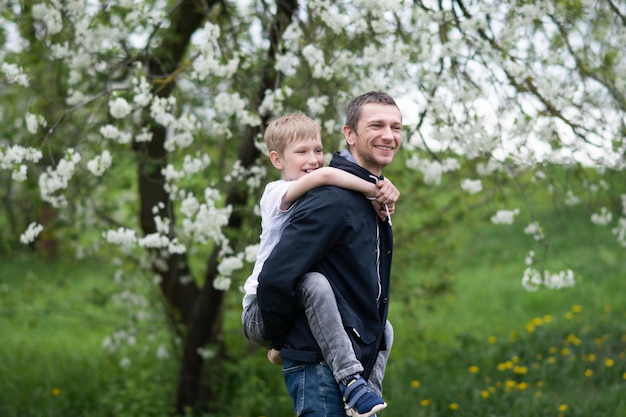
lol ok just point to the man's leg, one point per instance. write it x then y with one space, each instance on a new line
378 372
313 390
321 310
320 306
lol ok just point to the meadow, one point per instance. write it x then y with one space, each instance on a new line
484 346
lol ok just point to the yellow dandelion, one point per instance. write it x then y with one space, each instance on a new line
537 394
547 318
565 351
551 360
473 369
537 321
553 349
485 393
502 366
521 386
573 339
492 389
510 384
588 373
562 408
591 357
454 406
576 308
415 383
426 402
539 384
515 359
569 315
56 391
530 327
624 375
492 340
608 362
521 370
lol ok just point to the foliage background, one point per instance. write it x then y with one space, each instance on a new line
129 146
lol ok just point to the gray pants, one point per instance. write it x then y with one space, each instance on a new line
321 310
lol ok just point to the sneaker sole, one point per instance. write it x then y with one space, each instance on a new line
376 409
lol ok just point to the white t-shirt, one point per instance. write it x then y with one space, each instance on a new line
273 221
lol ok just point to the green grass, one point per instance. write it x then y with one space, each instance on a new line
486 347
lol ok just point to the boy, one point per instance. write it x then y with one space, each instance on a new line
295 147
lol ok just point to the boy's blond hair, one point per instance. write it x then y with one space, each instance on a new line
289 128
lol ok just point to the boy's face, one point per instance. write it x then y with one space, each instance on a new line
299 158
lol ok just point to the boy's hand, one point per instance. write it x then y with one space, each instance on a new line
274 357
387 193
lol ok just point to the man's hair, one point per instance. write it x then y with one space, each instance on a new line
289 128
354 108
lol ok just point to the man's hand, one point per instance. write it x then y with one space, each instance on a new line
273 356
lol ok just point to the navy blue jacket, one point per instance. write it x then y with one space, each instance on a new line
333 231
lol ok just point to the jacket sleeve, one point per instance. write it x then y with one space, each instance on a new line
314 226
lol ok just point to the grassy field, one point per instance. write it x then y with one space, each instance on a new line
486 348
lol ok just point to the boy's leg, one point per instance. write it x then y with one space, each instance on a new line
320 306
253 325
325 322
378 372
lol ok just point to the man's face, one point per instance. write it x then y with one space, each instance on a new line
377 138
299 158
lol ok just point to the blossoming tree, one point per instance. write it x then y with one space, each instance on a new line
137 125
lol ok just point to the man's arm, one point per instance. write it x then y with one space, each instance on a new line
384 192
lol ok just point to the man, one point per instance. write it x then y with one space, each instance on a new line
335 232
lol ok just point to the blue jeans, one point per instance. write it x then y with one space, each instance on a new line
313 389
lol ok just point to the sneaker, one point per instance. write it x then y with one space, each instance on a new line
360 399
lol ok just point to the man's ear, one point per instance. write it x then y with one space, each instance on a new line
349 135
276 160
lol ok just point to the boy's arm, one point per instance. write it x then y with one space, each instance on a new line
327 176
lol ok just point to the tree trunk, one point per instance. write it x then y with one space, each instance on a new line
200 310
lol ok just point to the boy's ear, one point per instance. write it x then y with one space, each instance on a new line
276 160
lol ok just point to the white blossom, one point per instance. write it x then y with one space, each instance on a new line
316 105
603 218
30 234
122 236
162 353
14 74
230 264
33 122
221 283
206 353
57 179
571 199
250 252
50 17
119 108
100 163
535 230
471 186
19 173
504 216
